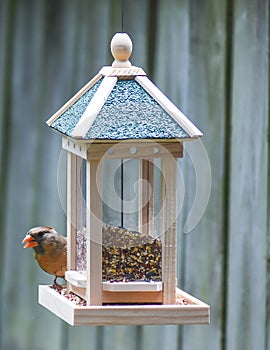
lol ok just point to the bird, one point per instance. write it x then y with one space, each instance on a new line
50 250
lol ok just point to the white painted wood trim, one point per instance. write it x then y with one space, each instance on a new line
73 99
79 279
143 150
121 72
94 107
75 147
195 313
132 286
74 204
76 278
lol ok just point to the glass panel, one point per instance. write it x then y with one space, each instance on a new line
158 188
131 193
121 192
112 189
126 253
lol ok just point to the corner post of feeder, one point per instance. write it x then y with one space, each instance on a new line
72 192
169 172
94 232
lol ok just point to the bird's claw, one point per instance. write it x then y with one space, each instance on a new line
56 285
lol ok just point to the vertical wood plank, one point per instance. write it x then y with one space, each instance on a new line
158 338
81 337
26 183
117 337
247 260
171 74
204 247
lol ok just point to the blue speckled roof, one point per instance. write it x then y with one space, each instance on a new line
128 113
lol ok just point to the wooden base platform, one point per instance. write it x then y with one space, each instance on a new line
195 312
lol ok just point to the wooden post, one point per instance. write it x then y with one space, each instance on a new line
169 171
147 197
73 206
94 234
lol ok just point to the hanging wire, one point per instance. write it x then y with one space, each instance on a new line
122 192
122 162
123 10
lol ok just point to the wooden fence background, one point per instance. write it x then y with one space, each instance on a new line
212 59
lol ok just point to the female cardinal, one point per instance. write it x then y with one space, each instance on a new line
50 249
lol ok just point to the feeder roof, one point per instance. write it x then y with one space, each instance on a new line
121 103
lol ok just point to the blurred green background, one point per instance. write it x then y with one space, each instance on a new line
212 59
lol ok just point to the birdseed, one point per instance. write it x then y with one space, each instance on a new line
62 290
126 255
72 297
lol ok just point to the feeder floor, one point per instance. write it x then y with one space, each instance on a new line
192 312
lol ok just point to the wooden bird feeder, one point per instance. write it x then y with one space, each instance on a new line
124 276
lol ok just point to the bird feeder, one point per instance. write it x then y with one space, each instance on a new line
124 275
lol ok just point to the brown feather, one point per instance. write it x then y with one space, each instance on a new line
51 250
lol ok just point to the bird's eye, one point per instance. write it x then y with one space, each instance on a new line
40 234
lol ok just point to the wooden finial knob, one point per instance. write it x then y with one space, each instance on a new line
121 48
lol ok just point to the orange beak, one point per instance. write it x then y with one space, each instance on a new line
29 241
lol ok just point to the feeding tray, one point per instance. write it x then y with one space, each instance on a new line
189 311
115 274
